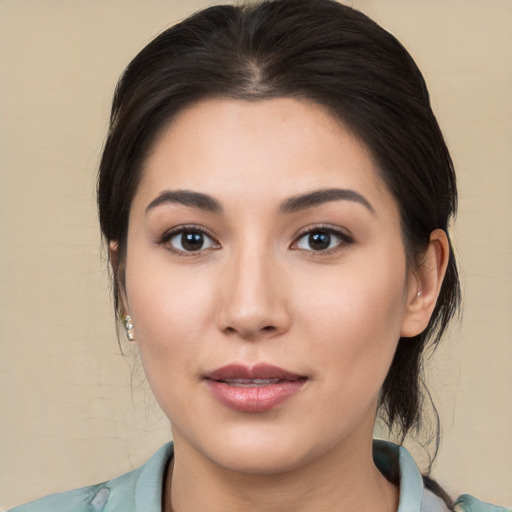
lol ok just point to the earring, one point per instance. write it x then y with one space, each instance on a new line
128 328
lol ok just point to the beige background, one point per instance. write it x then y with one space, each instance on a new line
72 410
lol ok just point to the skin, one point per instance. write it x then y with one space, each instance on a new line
258 291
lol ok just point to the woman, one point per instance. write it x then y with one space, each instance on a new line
275 192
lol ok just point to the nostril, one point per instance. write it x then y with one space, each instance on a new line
269 329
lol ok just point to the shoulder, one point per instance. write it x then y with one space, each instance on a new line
77 500
417 492
431 502
136 491
467 503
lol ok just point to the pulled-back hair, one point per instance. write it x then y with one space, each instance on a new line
315 50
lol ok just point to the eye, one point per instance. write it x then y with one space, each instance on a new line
321 239
188 240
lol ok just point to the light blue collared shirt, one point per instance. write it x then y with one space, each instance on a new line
141 490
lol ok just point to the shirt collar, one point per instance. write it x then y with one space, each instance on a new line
394 461
397 465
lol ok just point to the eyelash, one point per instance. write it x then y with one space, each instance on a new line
343 240
181 230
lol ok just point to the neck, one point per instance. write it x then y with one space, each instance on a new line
342 480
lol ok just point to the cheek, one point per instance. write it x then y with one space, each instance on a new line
163 299
169 311
169 318
354 317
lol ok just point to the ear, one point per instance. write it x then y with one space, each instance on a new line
118 271
425 284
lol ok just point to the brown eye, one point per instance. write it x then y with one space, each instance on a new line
319 240
190 240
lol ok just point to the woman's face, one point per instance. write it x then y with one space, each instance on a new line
267 282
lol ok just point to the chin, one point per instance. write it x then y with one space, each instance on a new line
262 459
261 449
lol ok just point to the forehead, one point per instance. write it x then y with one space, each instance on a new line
280 146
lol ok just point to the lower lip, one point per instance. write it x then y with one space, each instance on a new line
257 398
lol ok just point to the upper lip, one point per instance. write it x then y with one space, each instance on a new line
257 371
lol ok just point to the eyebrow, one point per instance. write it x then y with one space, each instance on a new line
293 204
187 198
318 197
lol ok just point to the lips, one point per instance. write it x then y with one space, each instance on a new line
259 388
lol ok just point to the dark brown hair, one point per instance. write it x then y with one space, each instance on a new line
317 50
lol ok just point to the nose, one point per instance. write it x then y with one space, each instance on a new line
253 301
